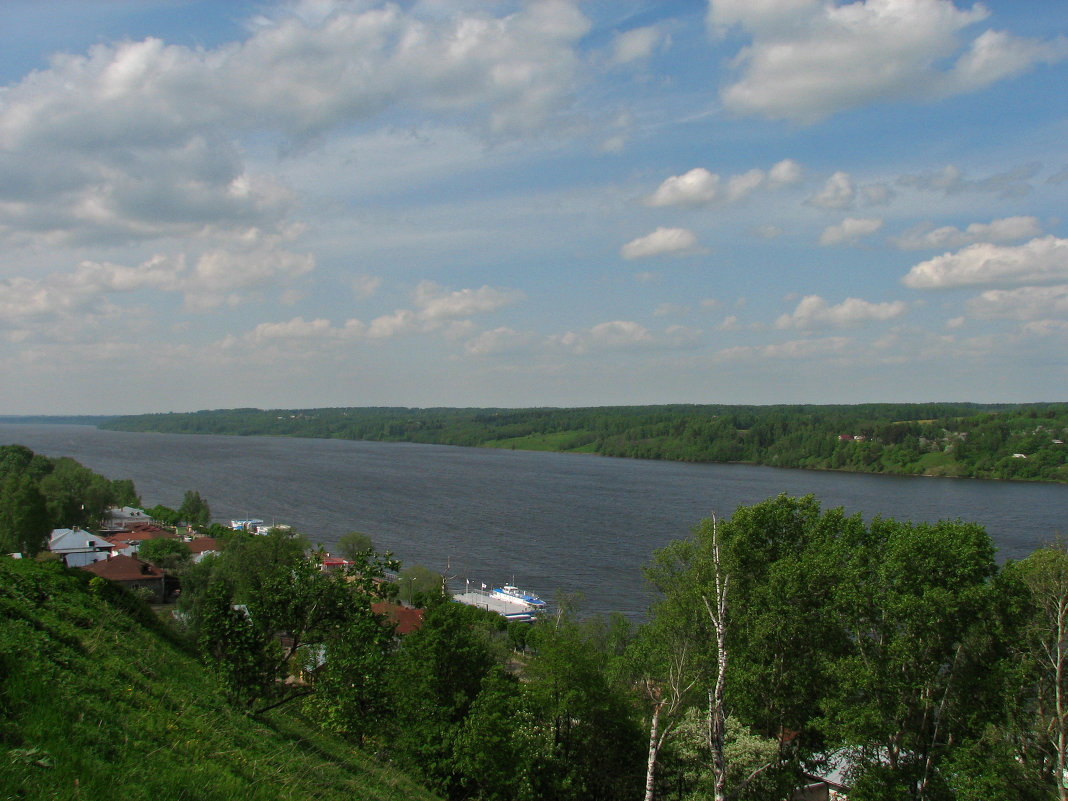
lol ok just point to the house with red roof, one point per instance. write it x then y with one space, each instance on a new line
133 574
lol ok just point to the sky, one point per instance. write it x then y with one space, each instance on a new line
517 204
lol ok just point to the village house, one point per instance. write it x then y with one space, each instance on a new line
117 519
129 539
133 574
78 548
201 547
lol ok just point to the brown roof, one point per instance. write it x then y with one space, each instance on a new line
406 618
136 532
123 568
201 544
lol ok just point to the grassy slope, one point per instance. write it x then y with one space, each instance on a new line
97 700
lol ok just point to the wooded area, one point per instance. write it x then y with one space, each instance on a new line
1023 442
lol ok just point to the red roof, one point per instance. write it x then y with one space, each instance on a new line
201 544
406 618
136 532
123 568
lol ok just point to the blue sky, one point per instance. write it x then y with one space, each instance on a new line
207 205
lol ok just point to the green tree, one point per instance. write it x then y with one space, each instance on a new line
350 684
194 509
419 585
164 514
589 742
75 495
164 552
24 522
1042 654
915 600
437 675
123 493
748 599
303 620
353 543
493 744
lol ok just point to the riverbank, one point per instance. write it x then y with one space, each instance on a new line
991 441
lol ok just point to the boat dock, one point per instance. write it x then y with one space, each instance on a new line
484 599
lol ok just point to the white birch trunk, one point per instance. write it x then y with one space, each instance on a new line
717 718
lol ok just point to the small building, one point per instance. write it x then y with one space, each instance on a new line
78 548
203 546
117 518
128 541
249 524
133 574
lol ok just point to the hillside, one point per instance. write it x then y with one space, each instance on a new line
1021 442
99 700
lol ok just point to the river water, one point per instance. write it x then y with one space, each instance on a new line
550 522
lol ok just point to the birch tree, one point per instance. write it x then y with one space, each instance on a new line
1045 646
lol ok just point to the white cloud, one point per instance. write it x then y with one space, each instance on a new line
399 323
219 273
1007 229
794 350
614 144
837 193
766 231
498 340
637 44
814 312
785 173
850 230
876 194
1029 303
1041 260
741 186
437 304
671 310
137 139
995 55
679 241
698 187
951 180
296 329
220 276
809 59
364 286
615 334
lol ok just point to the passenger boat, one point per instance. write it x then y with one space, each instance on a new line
512 594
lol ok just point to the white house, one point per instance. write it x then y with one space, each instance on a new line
78 548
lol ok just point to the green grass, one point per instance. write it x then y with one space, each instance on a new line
99 700
939 464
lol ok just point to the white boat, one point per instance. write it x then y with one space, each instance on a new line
512 594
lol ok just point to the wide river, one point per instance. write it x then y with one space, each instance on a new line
552 522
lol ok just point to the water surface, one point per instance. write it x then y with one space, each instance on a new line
552 522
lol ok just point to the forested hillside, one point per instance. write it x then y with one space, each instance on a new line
1024 442
785 640
99 700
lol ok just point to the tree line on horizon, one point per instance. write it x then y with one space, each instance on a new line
995 441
